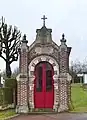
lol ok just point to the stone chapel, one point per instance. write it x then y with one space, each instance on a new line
43 82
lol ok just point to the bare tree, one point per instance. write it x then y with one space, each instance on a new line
9 42
15 72
78 67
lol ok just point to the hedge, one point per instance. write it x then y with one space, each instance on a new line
6 96
12 83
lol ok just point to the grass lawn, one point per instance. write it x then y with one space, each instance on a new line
6 113
79 98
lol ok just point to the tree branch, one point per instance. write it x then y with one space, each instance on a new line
13 57
3 57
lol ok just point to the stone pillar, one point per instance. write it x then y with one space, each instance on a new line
63 82
22 79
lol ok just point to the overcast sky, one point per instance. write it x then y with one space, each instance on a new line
64 16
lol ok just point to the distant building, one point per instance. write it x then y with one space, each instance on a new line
83 77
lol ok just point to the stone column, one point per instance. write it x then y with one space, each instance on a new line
63 82
22 79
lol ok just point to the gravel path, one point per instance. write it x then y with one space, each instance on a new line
62 116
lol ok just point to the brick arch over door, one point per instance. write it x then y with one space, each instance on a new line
31 67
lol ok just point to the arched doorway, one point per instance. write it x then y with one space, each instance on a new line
43 85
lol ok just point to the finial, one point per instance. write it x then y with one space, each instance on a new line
24 39
63 38
44 18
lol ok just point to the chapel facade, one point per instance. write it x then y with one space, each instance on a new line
43 82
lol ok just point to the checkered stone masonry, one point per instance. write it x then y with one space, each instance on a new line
22 86
22 80
23 61
63 89
69 96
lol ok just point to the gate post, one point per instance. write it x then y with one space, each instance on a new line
63 78
22 79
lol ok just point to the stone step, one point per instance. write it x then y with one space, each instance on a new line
43 110
39 113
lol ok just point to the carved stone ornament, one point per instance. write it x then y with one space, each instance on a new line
42 50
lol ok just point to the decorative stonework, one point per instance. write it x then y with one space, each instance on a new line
44 50
47 49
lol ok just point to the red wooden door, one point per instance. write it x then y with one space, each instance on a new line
43 86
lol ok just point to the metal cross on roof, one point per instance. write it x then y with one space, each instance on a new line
44 18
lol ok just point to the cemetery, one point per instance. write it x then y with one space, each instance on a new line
43 83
